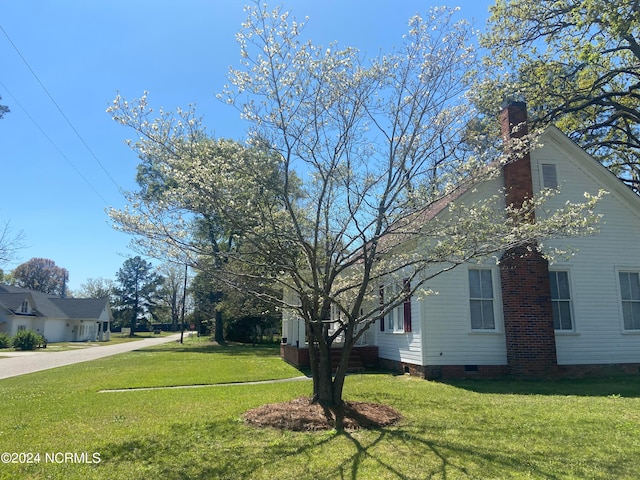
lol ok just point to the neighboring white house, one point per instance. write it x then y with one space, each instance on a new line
57 319
522 316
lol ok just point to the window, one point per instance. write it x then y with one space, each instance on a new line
630 294
24 308
549 176
397 320
561 300
481 299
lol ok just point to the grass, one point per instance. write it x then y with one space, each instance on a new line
116 338
466 429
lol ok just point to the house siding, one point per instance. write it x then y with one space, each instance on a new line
403 347
449 339
445 320
598 336
55 330
19 322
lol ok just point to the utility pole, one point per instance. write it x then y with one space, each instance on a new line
184 301
63 294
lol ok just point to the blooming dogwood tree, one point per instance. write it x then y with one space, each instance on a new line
337 190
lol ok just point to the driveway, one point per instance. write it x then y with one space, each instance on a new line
37 361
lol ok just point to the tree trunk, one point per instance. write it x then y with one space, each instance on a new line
323 392
134 317
219 333
341 372
327 388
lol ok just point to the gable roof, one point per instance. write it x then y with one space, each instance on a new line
592 167
13 301
81 307
607 180
44 305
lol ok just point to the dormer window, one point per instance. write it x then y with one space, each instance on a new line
24 308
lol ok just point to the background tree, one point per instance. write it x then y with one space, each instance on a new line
3 110
377 145
248 317
577 64
97 288
171 293
43 275
137 290
206 293
10 243
249 312
186 179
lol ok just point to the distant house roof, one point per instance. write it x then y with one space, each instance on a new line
81 307
13 301
44 305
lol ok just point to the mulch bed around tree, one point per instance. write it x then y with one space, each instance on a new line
302 414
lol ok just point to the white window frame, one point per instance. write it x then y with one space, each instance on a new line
543 176
558 301
634 302
394 320
494 299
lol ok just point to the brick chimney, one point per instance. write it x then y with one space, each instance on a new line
517 171
524 273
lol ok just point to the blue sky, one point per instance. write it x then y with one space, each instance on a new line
60 175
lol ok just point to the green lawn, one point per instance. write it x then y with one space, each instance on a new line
116 338
473 429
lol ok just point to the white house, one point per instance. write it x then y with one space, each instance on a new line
57 319
522 316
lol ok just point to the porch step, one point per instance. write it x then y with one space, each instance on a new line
355 362
361 357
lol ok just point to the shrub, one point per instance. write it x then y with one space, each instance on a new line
26 340
251 329
5 340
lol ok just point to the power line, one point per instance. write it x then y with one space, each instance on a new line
61 113
54 144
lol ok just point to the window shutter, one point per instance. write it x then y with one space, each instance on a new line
381 307
406 284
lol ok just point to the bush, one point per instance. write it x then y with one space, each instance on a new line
251 329
26 340
5 340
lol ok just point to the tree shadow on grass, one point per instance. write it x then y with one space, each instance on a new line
229 449
205 451
229 349
620 385
409 455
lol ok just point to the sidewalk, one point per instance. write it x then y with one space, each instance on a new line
29 362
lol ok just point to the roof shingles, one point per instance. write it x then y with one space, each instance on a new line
45 305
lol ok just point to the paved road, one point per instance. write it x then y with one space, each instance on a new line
20 365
